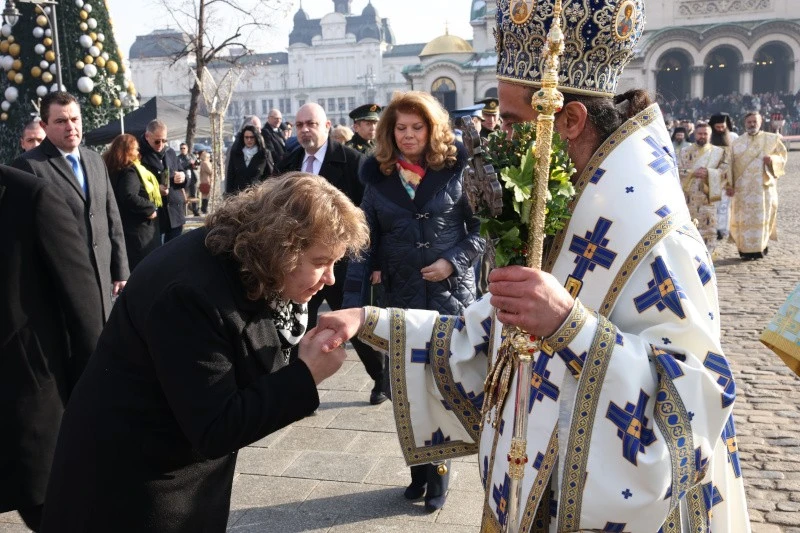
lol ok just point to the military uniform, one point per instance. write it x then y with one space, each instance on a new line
369 112
491 106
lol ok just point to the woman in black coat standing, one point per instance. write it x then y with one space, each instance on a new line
424 237
138 197
250 162
195 363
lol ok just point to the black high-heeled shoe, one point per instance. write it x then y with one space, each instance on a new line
438 481
419 478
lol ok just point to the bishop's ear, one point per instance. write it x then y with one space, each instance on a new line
571 121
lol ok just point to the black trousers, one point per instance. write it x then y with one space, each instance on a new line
333 294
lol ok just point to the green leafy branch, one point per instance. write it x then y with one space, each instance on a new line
514 161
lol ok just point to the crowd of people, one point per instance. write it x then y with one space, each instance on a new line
131 338
780 112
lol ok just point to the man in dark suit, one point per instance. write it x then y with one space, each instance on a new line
51 316
318 154
161 160
273 135
81 178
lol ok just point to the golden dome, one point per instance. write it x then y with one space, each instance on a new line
447 44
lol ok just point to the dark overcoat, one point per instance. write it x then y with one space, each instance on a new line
240 176
50 318
142 233
172 214
97 215
407 235
340 168
187 371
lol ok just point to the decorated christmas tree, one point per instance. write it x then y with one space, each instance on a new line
91 65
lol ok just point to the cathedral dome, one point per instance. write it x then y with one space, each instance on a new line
447 44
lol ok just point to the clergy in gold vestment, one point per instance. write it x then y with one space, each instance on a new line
703 171
759 159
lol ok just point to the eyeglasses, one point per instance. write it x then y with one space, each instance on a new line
159 142
311 125
249 137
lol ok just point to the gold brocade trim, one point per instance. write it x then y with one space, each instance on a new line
465 410
489 523
785 349
640 251
402 410
540 486
569 329
644 118
698 516
583 416
563 89
673 521
367 334
672 418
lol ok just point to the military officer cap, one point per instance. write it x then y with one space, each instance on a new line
366 112
491 106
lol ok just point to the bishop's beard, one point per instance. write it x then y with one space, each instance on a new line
719 138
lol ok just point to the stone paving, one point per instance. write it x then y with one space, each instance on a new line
342 471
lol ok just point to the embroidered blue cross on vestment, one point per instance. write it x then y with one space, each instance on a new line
592 250
665 157
632 427
663 291
719 365
541 386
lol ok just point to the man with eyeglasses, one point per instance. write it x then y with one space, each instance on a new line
161 160
339 164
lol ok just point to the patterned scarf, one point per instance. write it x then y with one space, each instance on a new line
290 320
410 175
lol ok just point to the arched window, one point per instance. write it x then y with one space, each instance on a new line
722 71
673 81
444 90
772 68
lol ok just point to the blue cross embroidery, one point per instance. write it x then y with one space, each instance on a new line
700 465
475 400
663 291
711 315
627 493
541 386
664 211
668 362
628 190
419 355
632 427
599 173
729 437
592 249
485 472
711 497
666 340
614 527
573 361
665 159
500 496
719 365
483 348
703 271
437 437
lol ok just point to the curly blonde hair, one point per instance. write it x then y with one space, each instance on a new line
441 151
266 228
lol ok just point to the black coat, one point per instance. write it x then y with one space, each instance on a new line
275 142
142 234
97 216
172 214
407 235
50 318
187 371
340 168
240 176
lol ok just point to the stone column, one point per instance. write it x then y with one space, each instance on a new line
698 80
652 81
746 78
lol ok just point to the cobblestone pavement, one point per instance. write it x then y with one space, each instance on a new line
341 471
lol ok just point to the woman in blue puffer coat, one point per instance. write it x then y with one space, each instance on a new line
424 236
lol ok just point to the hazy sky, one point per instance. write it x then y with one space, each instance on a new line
412 21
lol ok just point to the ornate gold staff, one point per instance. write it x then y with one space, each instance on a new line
518 347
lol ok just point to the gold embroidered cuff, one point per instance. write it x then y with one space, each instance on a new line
569 329
367 332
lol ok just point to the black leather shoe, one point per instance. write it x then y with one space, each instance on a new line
377 397
419 478
438 482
